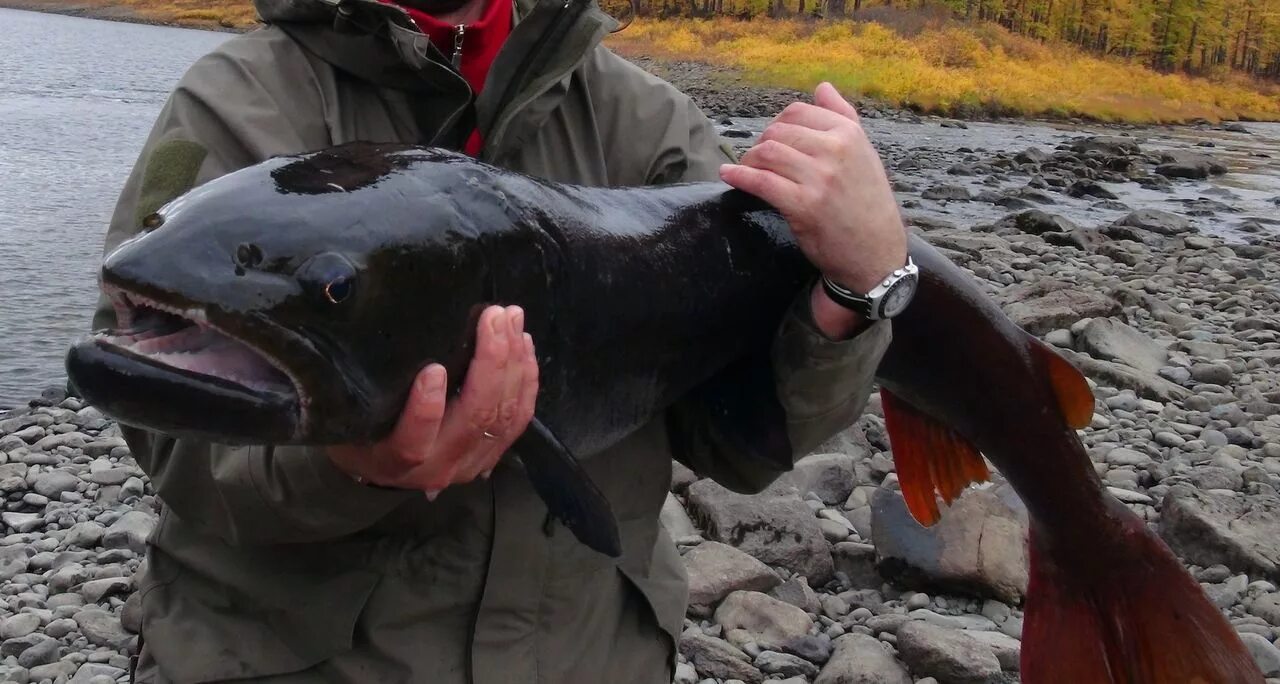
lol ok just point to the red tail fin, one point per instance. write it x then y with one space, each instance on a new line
929 457
1142 620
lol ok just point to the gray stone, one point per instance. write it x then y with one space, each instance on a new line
19 625
60 627
1120 376
1156 221
676 521
102 628
85 535
1267 607
1006 649
96 590
862 659
978 545
947 654
54 482
815 649
798 593
22 522
1059 308
713 657
774 526
14 560
91 671
130 531
52 671
1111 340
1209 528
785 664
771 623
1265 654
858 562
828 476
716 570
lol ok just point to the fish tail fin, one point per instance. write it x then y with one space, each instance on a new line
1143 620
931 459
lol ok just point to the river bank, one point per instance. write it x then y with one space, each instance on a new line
1178 329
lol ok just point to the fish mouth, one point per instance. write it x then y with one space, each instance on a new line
171 368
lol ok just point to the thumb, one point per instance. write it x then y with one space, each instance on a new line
827 97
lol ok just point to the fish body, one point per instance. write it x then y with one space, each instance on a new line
294 301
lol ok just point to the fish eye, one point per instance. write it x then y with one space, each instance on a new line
329 276
248 255
338 290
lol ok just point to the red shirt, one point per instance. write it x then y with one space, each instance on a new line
479 45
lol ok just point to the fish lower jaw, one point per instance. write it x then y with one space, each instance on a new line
182 339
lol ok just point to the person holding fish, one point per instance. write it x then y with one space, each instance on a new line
426 556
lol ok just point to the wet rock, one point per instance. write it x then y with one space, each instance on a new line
947 654
978 546
1106 144
774 526
1187 164
862 659
1088 188
1111 340
716 570
947 192
1035 222
771 623
1209 528
713 657
1156 221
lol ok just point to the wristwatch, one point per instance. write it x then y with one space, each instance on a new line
887 299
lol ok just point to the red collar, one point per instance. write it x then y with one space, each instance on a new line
479 41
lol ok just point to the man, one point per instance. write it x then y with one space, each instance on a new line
427 557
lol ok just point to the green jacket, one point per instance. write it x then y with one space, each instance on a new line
268 562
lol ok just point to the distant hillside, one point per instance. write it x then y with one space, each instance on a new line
931 59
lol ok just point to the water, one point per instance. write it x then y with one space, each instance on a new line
77 100
78 97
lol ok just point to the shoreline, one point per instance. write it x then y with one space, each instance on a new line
114 13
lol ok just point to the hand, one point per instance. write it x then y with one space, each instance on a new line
815 164
433 445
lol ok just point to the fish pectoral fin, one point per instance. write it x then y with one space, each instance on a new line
929 457
1069 385
567 490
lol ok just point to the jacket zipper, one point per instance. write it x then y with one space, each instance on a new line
458 32
536 58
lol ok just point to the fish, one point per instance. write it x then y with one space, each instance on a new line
293 302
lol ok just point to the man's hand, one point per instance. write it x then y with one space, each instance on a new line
434 445
815 164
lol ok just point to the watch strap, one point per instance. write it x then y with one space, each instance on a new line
847 298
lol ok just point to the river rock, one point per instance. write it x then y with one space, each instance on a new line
1109 145
1156 221
830 477
130 531
1007 649
19 625
85 535
1240 531
713 657
947 654
1265 653
675 520
798 593
42 652
102 628
1144 384
716 570
785 664
1059 309
1112 340
1268 608
947 192
774 526
862 659
771 623
1187 164
978 546
94 591
14 560
1034 222
89 671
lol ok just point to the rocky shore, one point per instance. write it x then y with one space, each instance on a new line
824 577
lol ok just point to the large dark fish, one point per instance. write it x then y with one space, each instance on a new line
294 301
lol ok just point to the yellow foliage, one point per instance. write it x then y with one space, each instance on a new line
952 69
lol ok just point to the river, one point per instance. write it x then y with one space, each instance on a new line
78 97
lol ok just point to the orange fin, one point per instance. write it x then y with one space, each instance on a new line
1074 396
1141 620
929 457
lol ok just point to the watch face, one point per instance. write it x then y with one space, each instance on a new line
897 298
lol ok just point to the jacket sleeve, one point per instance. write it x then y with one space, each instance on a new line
222 117
822 385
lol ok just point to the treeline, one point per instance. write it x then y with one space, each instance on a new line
1205 37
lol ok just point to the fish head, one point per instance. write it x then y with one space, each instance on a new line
293 301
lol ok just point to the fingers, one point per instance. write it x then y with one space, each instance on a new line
827 97
813 116
768 186
806 140
506 426
419 423
780 158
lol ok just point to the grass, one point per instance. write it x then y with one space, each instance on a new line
950 69
232 14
